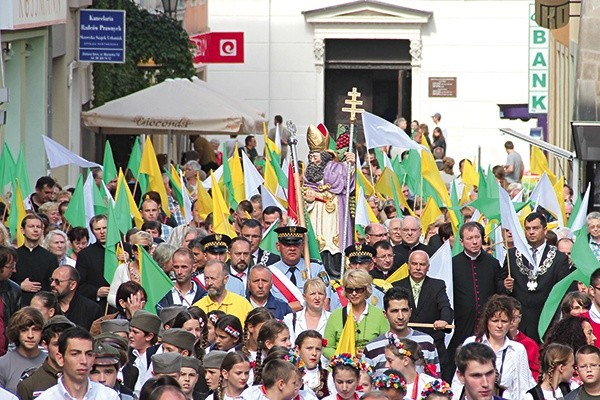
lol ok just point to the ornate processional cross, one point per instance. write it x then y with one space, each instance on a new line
353 102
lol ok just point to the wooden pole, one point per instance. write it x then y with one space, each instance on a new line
426 325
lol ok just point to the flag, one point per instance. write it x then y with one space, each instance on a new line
544 195
389 186
511 222
269 199
586 263
412 163
149 166
109 169
430 213
220 212
488 197
123 188
364 213
440 267
204 201
398 274
270 239
226 182
88 202
252 178
121 211
314 251
7 168
539 164
154 280
133 165
560 197
17 213
379 132
113 237
21 173
176 184
363 181
431 174
75 213
292 208
469 176
187 202
577 220
347 342
237 173
58 155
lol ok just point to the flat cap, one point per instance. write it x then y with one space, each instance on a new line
114 325
190 362
214 359
145 321
166 363
179 337
58 320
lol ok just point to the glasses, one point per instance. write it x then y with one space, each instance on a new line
59 281
377 234
595 287
588 366
359 290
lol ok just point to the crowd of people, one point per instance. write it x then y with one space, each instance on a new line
245 322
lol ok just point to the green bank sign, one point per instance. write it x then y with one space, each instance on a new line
538 65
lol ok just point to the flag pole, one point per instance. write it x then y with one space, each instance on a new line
352 110
293 142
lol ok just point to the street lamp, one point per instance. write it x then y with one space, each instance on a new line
170 7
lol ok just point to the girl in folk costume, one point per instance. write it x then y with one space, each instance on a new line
365 381
235 370
309 346
272 333
290 356
213 318
194 320
403 355
556 371
228 333
252 324
437 390
280 382
392 383
346 373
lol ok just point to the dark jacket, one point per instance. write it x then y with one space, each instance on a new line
10 293
43 378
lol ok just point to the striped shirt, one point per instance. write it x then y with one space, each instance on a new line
375 350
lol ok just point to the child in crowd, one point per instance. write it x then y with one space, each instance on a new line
235 370
346 373
228 333
272 333
436 390
556 371
279 382
309 346
404 355
254 321
213 318
392 383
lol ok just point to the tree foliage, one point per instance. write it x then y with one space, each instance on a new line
148 36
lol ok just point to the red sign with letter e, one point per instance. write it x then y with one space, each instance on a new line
219 47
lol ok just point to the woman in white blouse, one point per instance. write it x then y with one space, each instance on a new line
511 357
313 316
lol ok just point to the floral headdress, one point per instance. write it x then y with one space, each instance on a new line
349 360
292 357
396 342
437 386
390 381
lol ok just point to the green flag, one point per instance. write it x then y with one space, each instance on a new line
488 198
175 187
113 238
75 212
122 211
574 212
135 159
586 263
21 173
7 167
457 247
109 170
281 176
228 194
313 244
100 200
269 240
154 280
412 163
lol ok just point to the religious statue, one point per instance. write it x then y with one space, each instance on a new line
325 195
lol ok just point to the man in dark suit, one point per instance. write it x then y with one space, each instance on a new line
428 300
252 230
531 284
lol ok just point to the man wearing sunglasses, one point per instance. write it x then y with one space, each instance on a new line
78 309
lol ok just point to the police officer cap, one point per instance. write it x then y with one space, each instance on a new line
217 243
145 321
290 235
166 363
360 253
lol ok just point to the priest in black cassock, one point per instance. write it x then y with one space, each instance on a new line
476 277
531 284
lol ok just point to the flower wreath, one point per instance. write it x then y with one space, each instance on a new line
396 342
347 359
437 386
390 381
292 357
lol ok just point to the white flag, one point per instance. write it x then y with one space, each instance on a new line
58 155
269 199
252 178
187 202
379 132
440 267
544 195
218 173
579 221
362 214
88 199
510 221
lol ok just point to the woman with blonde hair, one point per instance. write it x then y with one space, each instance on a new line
57 243
130 271
313 315
370 321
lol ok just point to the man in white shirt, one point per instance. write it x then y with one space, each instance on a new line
76 355
186 291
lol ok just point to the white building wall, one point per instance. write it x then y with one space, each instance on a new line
481 43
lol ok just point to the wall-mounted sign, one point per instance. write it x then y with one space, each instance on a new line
442 87
219 47
26 14
552 14
538 66
102 36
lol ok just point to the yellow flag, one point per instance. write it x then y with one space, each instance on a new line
149 166
347 342
560 196
431 174
237 176
430 213
386 185
424 142
123 188
369 189
268 142
539 164
21 213
469 175
464 198
176 177
398 274
220 211
205 202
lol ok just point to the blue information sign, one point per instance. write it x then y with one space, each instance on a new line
102 36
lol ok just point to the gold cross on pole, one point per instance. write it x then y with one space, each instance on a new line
353 102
